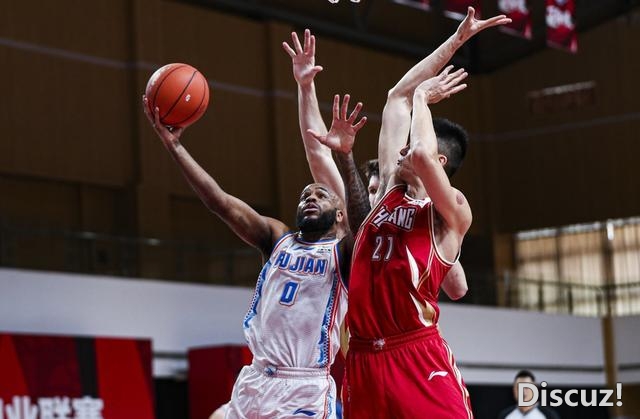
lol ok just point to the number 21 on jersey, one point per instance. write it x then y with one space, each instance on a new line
384 248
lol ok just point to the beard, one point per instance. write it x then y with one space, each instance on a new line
323 223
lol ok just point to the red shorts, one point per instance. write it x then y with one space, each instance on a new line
408 376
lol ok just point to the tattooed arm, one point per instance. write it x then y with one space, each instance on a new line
357 196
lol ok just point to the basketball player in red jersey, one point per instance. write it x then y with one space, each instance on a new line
343 130
405 248
398 365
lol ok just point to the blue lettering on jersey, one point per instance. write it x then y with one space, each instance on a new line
321 267
302 264
305 412
283 259
308 267
289 293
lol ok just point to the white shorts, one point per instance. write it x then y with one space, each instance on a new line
262 392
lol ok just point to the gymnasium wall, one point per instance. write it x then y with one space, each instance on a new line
77 152
572 164
490 345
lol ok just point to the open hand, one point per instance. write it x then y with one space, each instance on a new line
303 58
471 26
342 133
443 85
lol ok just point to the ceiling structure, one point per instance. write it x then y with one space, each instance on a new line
386 25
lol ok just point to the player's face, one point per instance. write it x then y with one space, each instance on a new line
405 169
317 209
374 185
528 393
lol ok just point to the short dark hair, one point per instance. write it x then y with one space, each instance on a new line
525 373
370 168
452 142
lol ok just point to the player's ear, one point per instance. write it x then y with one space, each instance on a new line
442 159
339 215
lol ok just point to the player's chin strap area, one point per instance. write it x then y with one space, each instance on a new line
270 370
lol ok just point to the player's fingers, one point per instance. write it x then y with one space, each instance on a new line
317 69
457 89
450 79
446 70
288 50
320 138
312 50
345 106
156 118
145 107
360 124
336 106
296 42
496 20
471 12
148 113
455 74
307 40
355 112
458 76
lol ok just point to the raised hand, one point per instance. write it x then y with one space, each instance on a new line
471 26
303 58
342 133
168 136
443 85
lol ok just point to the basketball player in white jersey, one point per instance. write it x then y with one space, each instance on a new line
293 323
344 129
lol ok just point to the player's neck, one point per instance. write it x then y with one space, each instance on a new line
416 191
316 236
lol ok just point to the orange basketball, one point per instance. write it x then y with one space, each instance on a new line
180 92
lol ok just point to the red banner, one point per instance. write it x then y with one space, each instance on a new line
561 28
43 377
418 4
520 16
457 9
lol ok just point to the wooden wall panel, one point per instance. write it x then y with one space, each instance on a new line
65 88
574 165
99 28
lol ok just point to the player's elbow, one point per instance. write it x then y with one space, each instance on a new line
397 97
458 292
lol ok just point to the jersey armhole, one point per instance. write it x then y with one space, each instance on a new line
338 259
432 232
279 242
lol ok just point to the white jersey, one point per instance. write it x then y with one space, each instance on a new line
298 306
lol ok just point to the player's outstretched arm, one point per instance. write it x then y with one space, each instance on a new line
256 230
434 62
323 168
423 156
455 282
396 116
340 139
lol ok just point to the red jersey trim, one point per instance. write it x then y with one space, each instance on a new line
436 251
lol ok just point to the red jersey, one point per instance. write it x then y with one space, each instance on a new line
397 270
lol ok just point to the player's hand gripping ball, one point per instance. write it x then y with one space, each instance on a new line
180 92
